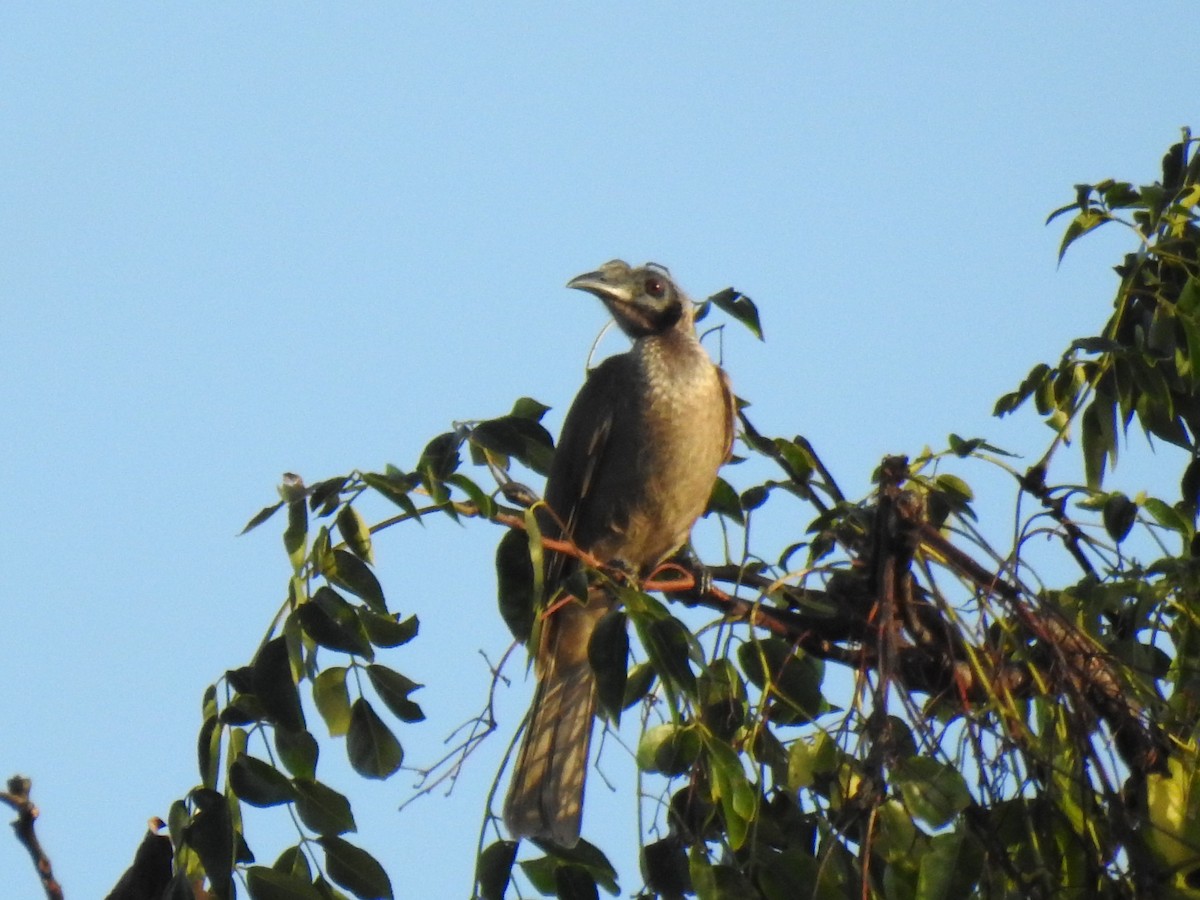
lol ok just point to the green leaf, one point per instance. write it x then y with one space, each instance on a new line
355 869
438 461
951 868
355 533
393 689
259 783
373 750
208 747
293 862
668 749
271 677
588 857
1168 516
608 653
478 497
321 808
388 630
494 869
326 494
723 704
296 533
724 501
263 883
668 643
637 684
394 489
515 586
520 437
792 677
333 700
330 621
1087 220
261 516
528 408
298 751
740 307
352 574
732 789
1096 442
933 792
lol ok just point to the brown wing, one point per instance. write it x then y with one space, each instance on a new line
594 449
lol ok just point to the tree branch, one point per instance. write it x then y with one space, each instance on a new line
17 797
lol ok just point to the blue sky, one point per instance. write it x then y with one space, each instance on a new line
239 240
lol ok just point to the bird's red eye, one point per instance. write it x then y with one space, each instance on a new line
655 287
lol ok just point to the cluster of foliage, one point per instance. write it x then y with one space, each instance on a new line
990 734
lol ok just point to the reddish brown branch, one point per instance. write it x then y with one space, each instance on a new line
17 797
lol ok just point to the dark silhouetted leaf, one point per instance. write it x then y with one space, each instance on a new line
1119 515
352 574
298 752
271 884
261 516
515 583
271 676
356 870
666 867
373 750
608 653
210 834
494 869
740 307
388 630
724 501
637 684
321 808
394 489
393 689
258 783
330 621
208 747
326 495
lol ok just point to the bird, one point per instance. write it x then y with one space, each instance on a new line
635 464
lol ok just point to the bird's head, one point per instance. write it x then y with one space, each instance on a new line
643 301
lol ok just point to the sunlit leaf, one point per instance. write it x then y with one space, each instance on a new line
354 531
333 699
933 792
668 749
